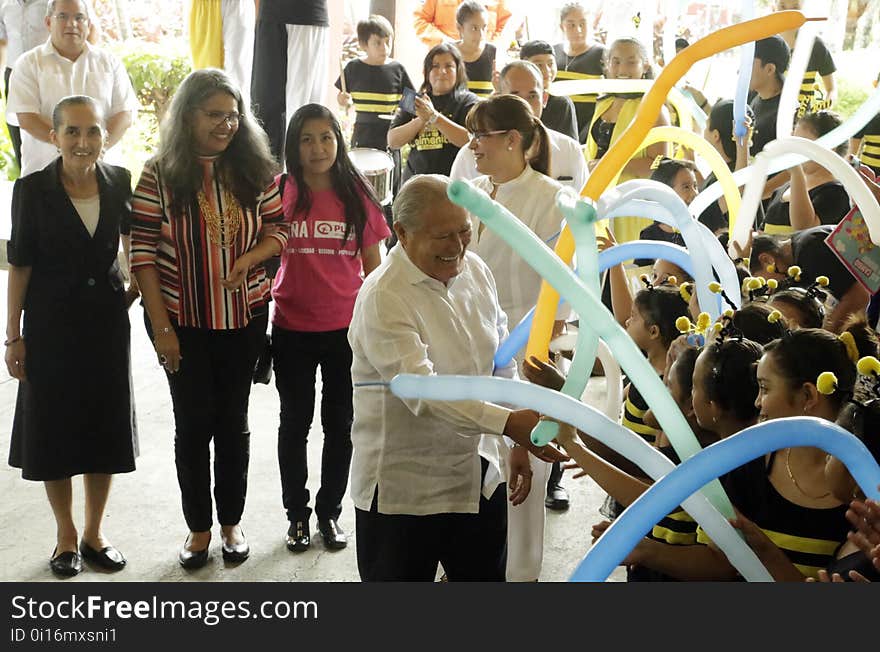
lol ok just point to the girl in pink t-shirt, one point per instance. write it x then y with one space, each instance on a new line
336 226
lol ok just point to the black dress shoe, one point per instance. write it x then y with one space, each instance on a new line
334 536
67 564
298 536
109 557
557 498
192 559
235 553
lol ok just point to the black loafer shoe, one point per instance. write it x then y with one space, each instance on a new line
333 535
235 553
298 536
192 559
557 498
109 558
67 564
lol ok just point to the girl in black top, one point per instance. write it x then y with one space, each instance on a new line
578 58
813 196
435 130
471 19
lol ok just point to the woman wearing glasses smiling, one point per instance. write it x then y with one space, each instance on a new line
206 214
512 149
435 128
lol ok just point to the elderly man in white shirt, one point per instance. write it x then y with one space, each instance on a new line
567 163
430 308
67 65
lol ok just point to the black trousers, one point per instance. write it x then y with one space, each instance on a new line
14 131
210 394
400 547
268 82
296 356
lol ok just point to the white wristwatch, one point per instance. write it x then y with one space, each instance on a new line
433 118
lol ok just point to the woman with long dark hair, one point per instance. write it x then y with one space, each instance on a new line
435 126
206 214
336 226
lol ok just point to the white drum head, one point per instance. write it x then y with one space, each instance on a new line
369 161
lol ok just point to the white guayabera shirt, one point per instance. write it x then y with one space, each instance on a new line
422 455
41 77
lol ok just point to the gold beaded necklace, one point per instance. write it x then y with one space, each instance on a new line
222 227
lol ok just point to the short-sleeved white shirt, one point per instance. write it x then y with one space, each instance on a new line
41 77
22 26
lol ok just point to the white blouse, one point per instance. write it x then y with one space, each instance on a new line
532 198
89 210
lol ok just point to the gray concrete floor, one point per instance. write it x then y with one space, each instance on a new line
144 519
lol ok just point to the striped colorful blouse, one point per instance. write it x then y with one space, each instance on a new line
190 263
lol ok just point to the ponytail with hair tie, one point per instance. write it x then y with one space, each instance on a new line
852 351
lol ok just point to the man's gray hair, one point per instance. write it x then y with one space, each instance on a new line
87 10
420 192
521 65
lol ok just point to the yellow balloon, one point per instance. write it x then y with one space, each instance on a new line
617 156
702 147
675 97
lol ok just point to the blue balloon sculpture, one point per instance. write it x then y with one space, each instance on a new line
714 461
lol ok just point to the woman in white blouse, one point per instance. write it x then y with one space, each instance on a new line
511 149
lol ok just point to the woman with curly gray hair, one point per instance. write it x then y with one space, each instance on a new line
206 215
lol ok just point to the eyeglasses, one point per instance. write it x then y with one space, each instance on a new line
219 116
79 19
477 136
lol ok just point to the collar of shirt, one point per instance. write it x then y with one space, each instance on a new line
48 50
413 274
513 184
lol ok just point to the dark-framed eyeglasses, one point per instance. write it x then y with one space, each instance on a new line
477 136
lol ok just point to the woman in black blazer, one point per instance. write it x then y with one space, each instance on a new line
74 413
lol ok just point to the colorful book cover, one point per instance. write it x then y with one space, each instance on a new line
851 243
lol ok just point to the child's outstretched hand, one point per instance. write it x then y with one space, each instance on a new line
606 241
542 373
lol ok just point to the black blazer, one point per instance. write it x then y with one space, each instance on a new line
67 264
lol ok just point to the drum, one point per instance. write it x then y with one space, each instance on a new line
377 166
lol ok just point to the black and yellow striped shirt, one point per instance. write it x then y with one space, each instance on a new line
634 409
375 90
809 537
587 65
870 137
479 72
811 97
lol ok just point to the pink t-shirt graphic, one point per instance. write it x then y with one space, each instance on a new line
321 273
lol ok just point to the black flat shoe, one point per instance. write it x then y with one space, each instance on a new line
109 558
192 559
67 564
298 536
236 553
333 535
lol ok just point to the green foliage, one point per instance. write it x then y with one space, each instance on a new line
850 97
155 71
8 165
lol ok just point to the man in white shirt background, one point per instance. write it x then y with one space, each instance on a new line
22 28
567 164
67 65
417 476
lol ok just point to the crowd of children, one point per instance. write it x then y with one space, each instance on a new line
803 311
